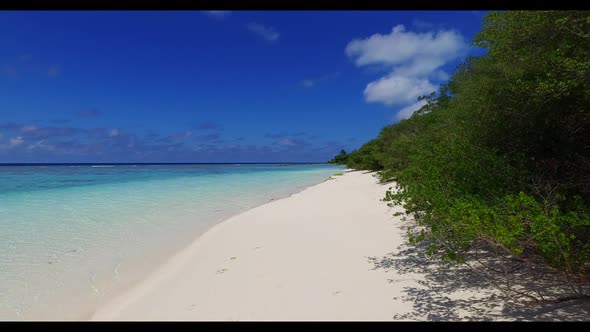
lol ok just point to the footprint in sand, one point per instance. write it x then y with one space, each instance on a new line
220 271
232 258
257 248
336 292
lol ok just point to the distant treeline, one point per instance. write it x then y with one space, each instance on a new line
501 154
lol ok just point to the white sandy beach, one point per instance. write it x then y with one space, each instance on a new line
331 252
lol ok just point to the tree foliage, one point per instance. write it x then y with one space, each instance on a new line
340 158
502 152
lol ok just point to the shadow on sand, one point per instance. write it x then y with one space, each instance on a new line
446 291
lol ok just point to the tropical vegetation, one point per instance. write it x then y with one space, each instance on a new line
501 153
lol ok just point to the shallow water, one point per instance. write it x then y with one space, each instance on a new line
73 236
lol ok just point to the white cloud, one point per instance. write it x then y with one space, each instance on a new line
414 60
400 46
218 14
440 75
268 33
114 133
15 141
407 111
395 90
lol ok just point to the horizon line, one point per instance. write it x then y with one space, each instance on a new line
165 163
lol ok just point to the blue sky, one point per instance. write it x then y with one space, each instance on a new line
196 86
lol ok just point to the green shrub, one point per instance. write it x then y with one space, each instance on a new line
502 152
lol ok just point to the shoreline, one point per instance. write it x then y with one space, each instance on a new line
179 256
93 275
175 255
111 309
330 252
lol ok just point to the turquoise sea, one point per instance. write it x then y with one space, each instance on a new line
73 236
